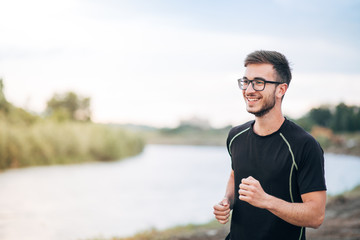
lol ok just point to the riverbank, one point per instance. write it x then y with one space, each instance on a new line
344 143
342 221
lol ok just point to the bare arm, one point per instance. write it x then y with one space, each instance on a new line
230 189
309 213
223 208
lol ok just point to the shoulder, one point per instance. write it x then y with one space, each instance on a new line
235 132
296 133
238 129
299 139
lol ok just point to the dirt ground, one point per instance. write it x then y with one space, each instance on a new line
342 222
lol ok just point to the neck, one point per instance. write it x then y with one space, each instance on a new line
268 124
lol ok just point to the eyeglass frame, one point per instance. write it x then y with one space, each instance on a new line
252 83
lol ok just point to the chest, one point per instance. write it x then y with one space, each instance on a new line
268 160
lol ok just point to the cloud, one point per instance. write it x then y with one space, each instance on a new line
144 68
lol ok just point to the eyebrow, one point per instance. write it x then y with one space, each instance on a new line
256 78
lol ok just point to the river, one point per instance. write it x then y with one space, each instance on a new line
162 187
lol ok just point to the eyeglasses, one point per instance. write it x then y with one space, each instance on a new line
258 84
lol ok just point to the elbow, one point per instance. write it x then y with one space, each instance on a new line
316 223
315 205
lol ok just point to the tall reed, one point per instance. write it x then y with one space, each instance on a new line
47 142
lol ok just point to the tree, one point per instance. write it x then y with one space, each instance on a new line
345 118
69 106
4 104
321 116
305 122
13 114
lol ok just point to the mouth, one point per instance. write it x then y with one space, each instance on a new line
252 99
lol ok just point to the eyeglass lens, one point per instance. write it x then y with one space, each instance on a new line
257 84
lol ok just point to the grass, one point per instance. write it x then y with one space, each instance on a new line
48 142
191 230
355 192
179 232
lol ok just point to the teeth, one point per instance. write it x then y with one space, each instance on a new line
252 99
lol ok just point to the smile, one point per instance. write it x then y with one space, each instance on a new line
252 99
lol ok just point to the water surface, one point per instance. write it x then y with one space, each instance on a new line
163 187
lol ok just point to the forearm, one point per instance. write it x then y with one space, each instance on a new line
223 208
230 189
307 214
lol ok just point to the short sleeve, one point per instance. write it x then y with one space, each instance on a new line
228 146
311 172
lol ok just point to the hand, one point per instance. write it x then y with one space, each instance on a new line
222 211
251 191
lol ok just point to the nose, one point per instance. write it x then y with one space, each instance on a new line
250 88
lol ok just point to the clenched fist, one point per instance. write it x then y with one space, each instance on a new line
250 191
222 211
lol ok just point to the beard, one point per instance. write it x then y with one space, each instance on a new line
266 107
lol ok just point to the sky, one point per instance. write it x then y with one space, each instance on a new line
157 62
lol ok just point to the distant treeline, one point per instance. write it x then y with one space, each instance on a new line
341 118
337 129
64 134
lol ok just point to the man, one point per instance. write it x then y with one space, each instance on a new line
277 186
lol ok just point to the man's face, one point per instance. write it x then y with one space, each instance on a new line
260 103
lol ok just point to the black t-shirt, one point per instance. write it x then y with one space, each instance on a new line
287 163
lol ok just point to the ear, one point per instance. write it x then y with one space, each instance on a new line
281 90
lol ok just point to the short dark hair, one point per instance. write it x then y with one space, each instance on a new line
278 60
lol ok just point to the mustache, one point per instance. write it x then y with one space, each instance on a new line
252 95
